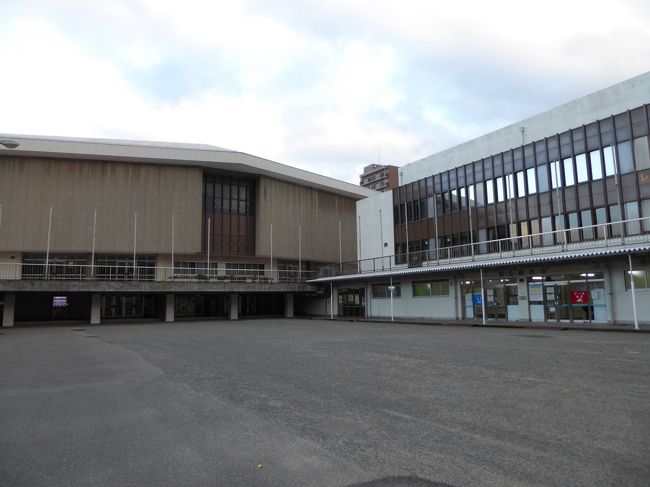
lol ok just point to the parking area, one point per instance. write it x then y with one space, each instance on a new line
313 402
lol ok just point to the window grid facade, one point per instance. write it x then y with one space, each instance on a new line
594 174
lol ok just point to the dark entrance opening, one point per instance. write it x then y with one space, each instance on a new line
201 306
132 306
261 305
38 307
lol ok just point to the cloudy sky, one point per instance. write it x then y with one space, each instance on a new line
326 85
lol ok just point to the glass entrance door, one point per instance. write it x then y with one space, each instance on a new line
352 302
577 298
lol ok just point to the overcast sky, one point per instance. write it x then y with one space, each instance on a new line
327 85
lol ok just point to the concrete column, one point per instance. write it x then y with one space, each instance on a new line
288 305
170 307
609 292
234 306
9 308
95 309
522 296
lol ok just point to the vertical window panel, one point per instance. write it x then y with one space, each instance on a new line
581 168
542 178
569 179
610 166
642 153
521 184
625 161
532 181
596 165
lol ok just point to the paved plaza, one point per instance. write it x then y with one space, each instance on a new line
312 402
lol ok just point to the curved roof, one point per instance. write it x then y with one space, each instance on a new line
177 154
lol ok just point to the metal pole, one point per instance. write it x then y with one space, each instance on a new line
636 320
92 256
560 212
271 235
299 252
135 241
209 238
340 250
359 249
331 299
482 295
617 176
47 252
381 234
173 244
406 219
435 220
392 315
471 229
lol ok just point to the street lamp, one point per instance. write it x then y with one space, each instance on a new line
9 144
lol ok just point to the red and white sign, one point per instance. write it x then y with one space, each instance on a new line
580 297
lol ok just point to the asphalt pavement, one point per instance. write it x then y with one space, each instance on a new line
322 403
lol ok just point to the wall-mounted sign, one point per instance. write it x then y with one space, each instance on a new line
535 292
59 301
580 297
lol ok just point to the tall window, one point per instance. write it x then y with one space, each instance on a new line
229 204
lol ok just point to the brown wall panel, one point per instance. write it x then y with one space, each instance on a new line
29 186
288 205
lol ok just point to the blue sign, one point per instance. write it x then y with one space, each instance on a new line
478 298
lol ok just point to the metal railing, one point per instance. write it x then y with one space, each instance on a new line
557 241
87 272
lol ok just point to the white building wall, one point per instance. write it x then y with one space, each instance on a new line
601 104
622 299
374 220
407 306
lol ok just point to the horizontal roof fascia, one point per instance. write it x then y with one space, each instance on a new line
193 155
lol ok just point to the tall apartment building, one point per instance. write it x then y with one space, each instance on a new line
379 177
547 219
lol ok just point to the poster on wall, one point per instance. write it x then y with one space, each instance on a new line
580 297
535 292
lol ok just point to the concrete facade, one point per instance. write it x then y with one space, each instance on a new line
290 207
550 186
95 230
117 191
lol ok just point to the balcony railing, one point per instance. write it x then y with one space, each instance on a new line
78 272
630 232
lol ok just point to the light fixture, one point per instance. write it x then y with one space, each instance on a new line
9 144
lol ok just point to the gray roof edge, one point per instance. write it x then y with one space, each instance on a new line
462 265
196 155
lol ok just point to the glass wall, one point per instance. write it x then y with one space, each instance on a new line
229 214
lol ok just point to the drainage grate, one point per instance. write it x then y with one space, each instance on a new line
409 481
78 329
533 336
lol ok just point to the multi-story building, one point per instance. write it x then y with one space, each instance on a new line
379 177
97 230
547 220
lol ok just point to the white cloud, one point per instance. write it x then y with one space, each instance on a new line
321 85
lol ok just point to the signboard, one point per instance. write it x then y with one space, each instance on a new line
580 297
535 292
478 298
59 301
